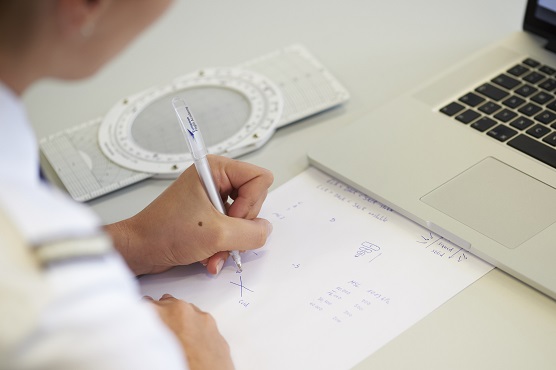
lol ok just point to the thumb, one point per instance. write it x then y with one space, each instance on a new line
248 234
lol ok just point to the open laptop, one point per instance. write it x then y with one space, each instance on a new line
472 154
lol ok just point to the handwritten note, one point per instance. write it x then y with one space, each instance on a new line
340 276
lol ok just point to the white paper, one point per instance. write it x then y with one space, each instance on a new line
340 276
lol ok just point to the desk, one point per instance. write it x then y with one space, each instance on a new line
377 49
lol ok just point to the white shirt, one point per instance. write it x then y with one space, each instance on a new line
79 314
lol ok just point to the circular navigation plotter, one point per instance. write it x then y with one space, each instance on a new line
237 109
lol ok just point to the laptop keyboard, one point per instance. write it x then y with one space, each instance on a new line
518 107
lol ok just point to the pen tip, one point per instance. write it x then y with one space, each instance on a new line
237 260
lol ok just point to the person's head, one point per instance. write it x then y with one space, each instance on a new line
67 39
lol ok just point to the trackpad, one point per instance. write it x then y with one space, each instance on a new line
498 201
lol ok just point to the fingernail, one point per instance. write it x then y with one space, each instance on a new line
219 266
269 228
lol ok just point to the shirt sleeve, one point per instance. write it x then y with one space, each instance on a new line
92 317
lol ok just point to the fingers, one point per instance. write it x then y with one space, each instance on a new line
165 297
249 200
247 234
170 298
197 332
246 183
244 234
216 262
246 205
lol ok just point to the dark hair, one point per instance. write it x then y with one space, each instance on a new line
18 21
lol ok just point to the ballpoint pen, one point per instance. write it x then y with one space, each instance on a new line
199 153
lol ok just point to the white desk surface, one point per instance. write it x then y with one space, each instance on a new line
377 49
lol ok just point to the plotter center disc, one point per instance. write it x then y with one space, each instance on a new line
237 109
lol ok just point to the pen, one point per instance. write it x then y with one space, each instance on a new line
199 153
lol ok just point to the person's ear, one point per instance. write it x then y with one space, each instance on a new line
79 17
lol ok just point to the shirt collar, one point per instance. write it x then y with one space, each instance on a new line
40 211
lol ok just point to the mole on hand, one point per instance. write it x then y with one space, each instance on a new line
200 223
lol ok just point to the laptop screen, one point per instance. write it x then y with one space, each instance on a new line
546 11
540 18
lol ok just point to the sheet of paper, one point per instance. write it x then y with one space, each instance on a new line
340 276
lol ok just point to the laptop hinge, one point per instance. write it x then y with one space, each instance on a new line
551 45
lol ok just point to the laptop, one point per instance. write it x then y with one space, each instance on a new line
471 155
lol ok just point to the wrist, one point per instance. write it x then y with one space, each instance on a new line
124 240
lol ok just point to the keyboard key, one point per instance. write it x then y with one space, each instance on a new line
526 90
531 62
552 106
530 109
550 139
467 116
546 117
534 77
452 109
548 85
483 124
513 102
548 70
471 99
535 149
538 131
521 123
506 81
505 115
542 98
501 133
489 107
492 92
518 70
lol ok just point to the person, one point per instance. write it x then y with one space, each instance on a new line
67 286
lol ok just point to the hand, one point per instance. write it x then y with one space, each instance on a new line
204 346
181 226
